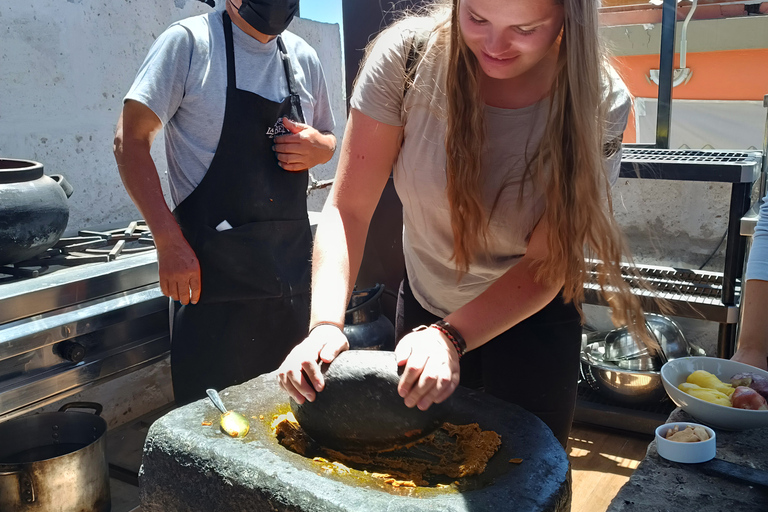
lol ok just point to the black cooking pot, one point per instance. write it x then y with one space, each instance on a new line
55 462
365 326
33 209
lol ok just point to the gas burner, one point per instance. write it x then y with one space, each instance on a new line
88 247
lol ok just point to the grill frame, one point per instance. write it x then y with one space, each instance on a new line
739 168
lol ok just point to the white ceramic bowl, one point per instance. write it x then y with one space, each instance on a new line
676 371
689 453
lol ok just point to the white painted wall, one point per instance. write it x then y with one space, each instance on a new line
64 69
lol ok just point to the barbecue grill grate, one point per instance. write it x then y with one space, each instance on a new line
686 155
690 293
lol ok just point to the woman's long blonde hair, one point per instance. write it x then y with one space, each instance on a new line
578 210
578 198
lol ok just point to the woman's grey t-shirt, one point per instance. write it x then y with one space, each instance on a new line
183 80
512 136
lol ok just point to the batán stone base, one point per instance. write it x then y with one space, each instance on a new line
190 466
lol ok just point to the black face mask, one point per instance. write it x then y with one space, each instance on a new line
269 17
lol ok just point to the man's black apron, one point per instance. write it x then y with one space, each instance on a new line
255 277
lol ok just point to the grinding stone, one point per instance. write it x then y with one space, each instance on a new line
189 464
360 407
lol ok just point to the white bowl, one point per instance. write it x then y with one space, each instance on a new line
689 453
676 371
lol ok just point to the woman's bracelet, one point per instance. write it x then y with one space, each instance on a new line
453 335
326 322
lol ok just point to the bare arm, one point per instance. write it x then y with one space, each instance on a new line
753 338
179 270
432 364
368 153
511 299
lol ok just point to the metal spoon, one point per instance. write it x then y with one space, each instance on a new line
231 423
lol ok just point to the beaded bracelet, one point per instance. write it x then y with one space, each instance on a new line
326 322
454 335
450 332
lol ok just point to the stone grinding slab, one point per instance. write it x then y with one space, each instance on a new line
191 466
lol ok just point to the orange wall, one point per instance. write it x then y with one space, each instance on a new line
721 75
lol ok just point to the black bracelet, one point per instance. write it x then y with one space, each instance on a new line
326 322
453 335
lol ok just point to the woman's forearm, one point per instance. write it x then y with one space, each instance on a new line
511 299
368 153
336 259
514 297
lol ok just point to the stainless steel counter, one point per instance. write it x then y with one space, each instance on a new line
78 326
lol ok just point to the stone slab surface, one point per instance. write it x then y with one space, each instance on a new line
661 485
190 466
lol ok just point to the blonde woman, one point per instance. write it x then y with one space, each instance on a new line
502 121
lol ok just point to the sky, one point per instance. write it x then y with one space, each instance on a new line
327 11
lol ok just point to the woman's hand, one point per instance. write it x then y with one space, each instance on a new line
431 368
300 373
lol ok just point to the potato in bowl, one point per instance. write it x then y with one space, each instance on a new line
676 371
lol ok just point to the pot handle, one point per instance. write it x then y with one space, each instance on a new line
63 183
26 488
83 405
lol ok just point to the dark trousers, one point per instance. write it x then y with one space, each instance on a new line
535 364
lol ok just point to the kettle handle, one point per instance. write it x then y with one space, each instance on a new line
63 183
83 405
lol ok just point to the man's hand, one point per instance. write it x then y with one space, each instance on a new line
178 268
304 148
431 368
300 373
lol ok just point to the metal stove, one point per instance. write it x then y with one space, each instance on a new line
86 311
88 247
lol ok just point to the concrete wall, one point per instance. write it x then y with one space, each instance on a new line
64 69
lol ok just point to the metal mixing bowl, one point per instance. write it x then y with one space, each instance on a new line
623 350
618 384
619 368
620 345
671 338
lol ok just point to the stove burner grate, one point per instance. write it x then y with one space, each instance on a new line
88 247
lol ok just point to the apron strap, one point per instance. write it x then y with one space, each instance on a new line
287 65
290 78
231 82
292 88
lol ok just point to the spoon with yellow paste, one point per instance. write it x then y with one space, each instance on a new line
231 423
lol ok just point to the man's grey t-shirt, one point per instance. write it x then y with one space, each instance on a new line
184 78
